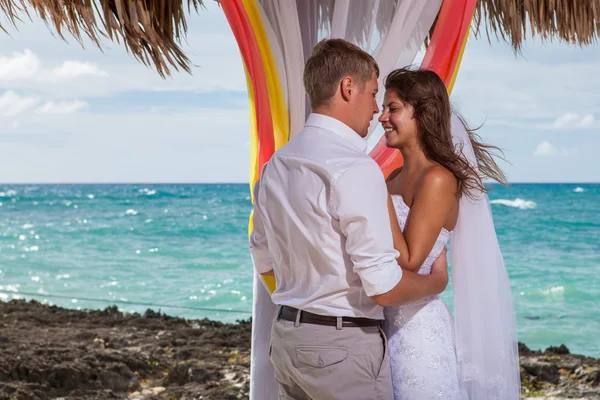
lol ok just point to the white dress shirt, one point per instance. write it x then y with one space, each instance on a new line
321 223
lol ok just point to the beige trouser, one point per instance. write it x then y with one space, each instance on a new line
317 362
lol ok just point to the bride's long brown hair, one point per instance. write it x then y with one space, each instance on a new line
425 91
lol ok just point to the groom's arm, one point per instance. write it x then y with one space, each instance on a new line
359 202
413 286
259 248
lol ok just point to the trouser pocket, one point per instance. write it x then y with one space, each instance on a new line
381 362
275 349
320 356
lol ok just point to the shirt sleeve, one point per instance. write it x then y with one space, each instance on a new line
359 202
259 248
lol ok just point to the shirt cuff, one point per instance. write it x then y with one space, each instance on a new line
262 262
381 279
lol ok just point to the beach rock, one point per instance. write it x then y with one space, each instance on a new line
541 370
146 393
53 353
588 375
192 371
560 350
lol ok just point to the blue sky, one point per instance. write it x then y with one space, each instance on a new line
74 115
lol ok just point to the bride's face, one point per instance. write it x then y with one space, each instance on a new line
397 121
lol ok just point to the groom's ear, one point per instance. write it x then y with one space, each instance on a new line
346 88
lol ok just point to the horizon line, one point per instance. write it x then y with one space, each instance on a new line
248 183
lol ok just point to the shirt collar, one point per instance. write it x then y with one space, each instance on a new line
339 128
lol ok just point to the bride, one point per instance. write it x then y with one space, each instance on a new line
435 197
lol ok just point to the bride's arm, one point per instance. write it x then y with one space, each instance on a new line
399 242
432 203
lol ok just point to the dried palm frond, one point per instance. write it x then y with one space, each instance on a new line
572 21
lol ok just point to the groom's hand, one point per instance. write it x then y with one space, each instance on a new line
413 287
439 270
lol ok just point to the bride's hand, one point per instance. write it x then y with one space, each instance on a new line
439 269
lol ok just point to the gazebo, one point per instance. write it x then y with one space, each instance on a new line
275 37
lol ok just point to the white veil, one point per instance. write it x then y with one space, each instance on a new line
484 318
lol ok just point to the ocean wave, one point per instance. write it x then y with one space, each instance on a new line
8 193
579 190
555 291
147 192
516 203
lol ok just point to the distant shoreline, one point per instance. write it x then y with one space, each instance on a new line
157 308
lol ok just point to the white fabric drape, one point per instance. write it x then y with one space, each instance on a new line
282 17
484 318
392 31
407 31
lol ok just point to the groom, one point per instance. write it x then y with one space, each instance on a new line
321 226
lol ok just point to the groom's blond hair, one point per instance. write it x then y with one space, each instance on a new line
330 62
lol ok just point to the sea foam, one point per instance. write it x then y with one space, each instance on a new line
516 203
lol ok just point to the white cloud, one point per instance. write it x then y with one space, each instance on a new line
19 65
546 149
62 107
528 90
565 120
215 61
24 69
73 69
573 120
15 124
586 121
13 104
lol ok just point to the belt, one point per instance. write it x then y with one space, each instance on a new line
291 314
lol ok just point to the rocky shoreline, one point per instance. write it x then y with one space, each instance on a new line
557 374
49 352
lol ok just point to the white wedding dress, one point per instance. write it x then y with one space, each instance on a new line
420 337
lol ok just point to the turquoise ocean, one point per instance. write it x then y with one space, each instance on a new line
183 249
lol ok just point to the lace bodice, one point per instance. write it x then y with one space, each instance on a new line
402 211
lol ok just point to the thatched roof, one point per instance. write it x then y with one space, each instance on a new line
571 21
152 30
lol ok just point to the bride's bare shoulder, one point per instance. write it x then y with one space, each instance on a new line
438 178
